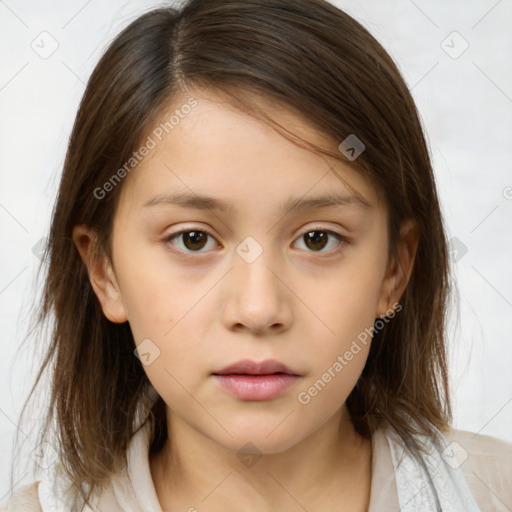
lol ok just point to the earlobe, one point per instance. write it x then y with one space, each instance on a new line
101 274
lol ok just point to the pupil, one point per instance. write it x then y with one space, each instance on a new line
317 237
196 238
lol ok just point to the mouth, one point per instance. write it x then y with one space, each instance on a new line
253 368
253 381
254 374
256 387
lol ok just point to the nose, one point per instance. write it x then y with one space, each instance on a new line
258 298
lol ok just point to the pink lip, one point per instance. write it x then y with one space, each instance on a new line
249 367
256 387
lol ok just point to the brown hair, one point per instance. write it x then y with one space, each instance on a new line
307 56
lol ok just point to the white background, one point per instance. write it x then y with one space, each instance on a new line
466 108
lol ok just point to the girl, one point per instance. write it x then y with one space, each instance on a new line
249 277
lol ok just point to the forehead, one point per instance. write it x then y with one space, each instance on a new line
216 150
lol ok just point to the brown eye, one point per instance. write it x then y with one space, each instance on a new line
194 240
316 240
191 240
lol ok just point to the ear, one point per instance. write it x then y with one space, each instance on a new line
101 274
399 272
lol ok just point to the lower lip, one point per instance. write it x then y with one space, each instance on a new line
256 387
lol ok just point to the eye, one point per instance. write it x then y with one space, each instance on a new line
317 239
194 240
191 240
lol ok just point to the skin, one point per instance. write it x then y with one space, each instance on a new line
302 304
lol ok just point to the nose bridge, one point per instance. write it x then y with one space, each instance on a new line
254 263
257 297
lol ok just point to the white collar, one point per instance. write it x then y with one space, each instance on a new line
403 480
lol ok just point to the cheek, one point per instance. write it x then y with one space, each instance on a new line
155 297
327 390
340 358
359 287
341 350
345 300
344 309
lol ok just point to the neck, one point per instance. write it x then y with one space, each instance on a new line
331 465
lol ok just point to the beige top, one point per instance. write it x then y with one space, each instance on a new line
486 463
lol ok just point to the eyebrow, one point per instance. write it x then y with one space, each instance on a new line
204 202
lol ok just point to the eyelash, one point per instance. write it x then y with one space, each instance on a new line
343 240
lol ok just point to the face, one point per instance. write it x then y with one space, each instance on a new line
206 285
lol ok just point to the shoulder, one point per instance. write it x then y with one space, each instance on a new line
481 451
24 499
486 462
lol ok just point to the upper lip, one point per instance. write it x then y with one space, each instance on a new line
249 367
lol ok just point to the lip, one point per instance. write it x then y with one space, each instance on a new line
256 387
249 367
